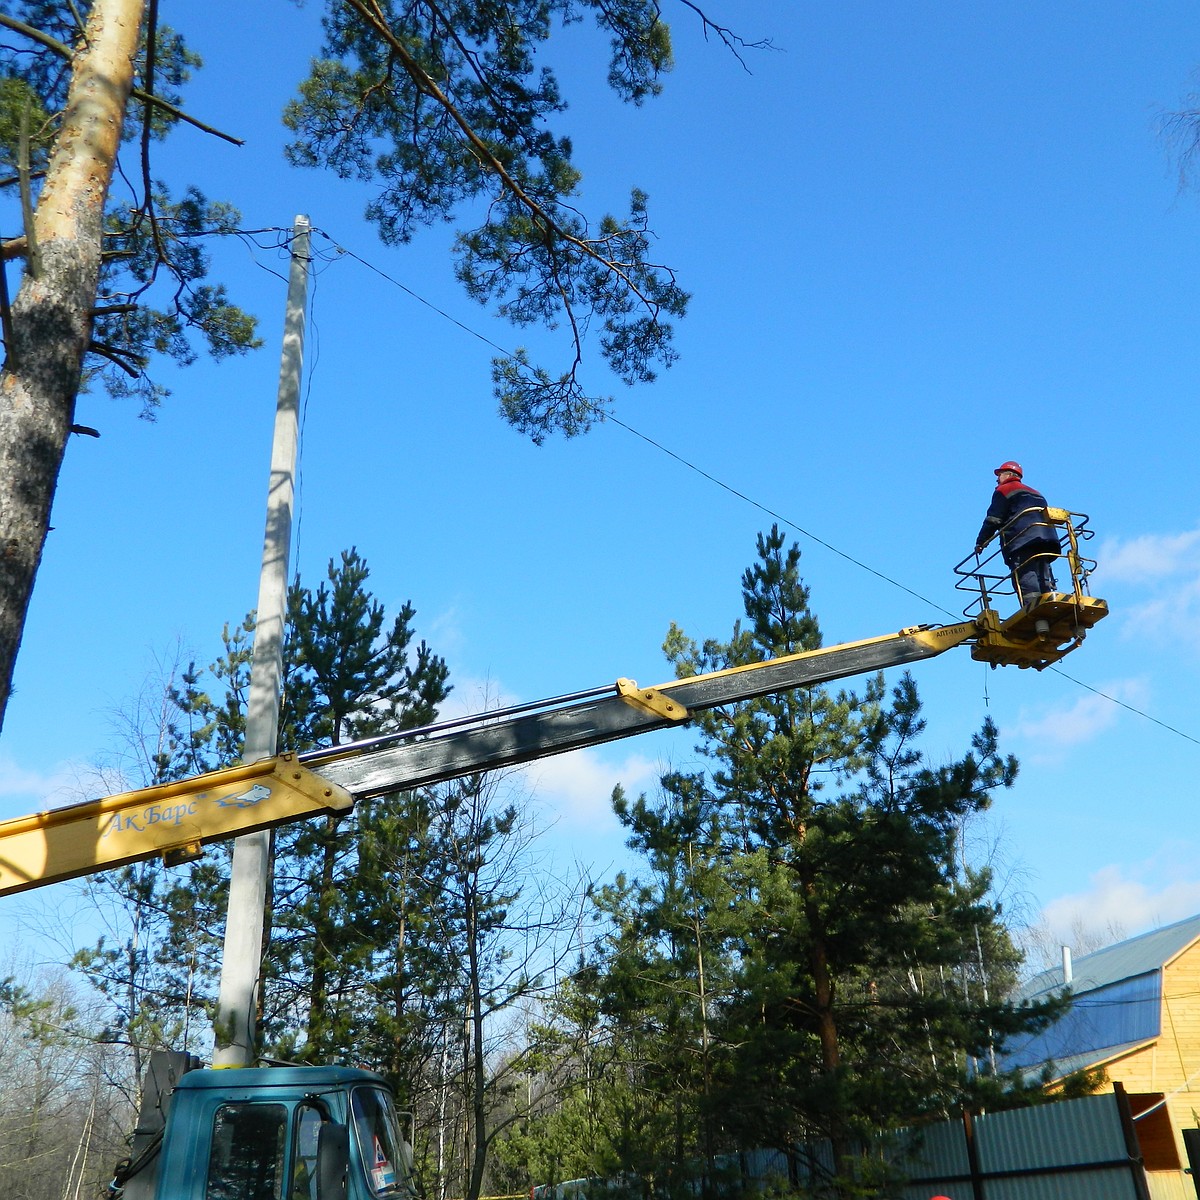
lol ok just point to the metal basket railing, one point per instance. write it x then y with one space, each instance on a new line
987 577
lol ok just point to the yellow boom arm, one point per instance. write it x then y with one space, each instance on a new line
175 820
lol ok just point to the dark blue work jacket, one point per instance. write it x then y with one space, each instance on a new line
1018 514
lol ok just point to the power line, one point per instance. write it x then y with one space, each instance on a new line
604 415
340 250
775 515
1122 704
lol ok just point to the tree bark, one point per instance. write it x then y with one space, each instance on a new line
52 313
824 988
478 1143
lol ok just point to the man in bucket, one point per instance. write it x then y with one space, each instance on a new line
1028 542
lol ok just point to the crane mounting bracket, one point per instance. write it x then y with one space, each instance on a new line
1040 635
652 700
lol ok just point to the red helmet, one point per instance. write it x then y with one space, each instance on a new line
1014 467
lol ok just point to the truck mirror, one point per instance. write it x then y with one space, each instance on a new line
333 1161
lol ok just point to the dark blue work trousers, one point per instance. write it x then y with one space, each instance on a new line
1033 572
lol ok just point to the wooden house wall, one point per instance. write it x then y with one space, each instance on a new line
1181 1022
1166 1066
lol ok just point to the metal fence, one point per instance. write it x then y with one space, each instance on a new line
1081 1149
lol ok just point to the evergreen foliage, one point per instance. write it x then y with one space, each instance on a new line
350 673
447 108
154 298
804 956
404 934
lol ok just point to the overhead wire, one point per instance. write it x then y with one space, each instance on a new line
338 249
606 416
1122 704
774 514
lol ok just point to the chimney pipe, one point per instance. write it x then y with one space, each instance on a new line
1068 973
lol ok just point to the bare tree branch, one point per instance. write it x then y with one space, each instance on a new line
132 367
731 40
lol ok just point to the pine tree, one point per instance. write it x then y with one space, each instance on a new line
447 107
352 677
668 976
566 1118
847 946
350 673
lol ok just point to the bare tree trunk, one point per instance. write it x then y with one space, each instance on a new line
443 1095
320 1020
708 1141
52 313
477 1065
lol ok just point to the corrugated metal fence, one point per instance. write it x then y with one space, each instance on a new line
1073 1150
1083 1149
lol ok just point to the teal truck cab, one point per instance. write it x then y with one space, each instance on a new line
264 1133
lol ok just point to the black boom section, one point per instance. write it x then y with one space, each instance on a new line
440 753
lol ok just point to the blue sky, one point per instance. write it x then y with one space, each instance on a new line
921 239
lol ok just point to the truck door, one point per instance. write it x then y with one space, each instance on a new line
384 1155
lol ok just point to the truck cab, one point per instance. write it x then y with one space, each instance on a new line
268 1133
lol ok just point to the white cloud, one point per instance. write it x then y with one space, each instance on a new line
474 694
1170 616
1052 732
1150 556
444 633
574 788
1128 899
25 789
577 787
1161 572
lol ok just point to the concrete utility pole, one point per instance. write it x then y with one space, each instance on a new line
237 1001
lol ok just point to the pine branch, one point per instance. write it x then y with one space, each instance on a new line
371 12
6 325
64 51
16 247
132 365
32 255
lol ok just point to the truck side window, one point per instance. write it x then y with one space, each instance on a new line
246 1157
304 1154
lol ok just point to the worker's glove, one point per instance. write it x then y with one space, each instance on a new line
979 549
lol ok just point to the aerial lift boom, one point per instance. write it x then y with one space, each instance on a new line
176 820
262 1133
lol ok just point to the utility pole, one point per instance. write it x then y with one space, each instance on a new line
241 960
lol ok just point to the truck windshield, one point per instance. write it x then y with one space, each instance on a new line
386 1156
